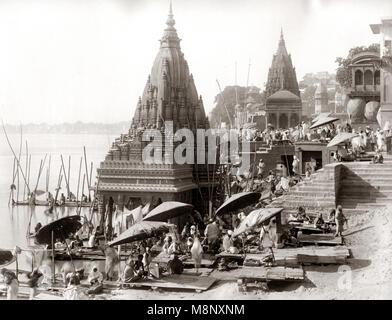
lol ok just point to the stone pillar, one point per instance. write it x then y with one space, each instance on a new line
101 209
289 120
385 31
277 114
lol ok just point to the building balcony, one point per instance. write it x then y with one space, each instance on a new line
367 88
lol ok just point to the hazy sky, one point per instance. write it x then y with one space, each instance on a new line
88 60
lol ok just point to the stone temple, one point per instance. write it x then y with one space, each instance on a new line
169 95
283 104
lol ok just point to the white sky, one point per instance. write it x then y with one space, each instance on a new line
88 60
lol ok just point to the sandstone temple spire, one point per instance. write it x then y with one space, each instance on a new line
170 92
282 75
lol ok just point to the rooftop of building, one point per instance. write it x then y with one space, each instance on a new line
283 96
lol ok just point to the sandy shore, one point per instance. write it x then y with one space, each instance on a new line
367 275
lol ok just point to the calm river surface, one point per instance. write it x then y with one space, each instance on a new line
14 220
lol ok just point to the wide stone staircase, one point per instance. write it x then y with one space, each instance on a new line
357 186
366 186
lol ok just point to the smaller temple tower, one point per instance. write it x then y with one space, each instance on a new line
283 104
321 99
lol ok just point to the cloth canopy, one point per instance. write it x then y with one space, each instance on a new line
61 229
238 202
340 138
142 230
168 210
255 218
323 121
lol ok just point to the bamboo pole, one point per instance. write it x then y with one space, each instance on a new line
65 174
39 173
28 172
42 169
12 185
58 185
77 190
81 197
48 174
85 162
27 164
58 188
17 185
13 152
91 178
69 174
20 154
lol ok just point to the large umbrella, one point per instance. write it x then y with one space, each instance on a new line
140 231
255 218
6 257
321 115
340 138
168 210
61 228
238 201
323 121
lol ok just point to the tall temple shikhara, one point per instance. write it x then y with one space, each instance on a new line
170 92
283 104
170 95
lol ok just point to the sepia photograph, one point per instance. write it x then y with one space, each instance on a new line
181 150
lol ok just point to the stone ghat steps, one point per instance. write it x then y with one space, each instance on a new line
368 172
367 182
307 189
366 193
314 212
302 193
308 203
363 206
364 196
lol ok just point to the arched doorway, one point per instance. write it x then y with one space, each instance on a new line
283 121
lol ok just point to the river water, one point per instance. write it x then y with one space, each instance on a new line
15 220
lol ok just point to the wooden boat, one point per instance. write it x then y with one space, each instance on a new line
43 203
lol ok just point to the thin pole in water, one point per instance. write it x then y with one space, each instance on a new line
69 173
85 162
77 191
17 185
40 172
81 197
65 174
28 172
13 152
20 154
48 174
91 176
12 185
27 164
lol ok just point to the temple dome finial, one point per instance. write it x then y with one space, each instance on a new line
170 20
281 35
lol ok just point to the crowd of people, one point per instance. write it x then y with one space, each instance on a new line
368 138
